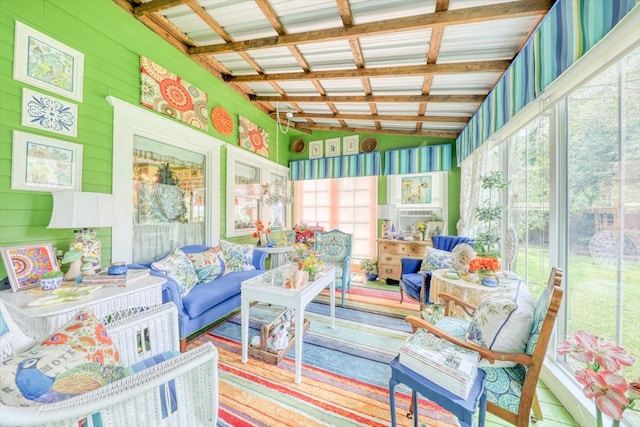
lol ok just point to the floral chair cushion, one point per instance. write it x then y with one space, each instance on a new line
178 266
77 358
435 259
237 256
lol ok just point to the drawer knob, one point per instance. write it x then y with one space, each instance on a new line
389 258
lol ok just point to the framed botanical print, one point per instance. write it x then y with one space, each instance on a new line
46 63
40 163
350 145
332 147
25 264
315 149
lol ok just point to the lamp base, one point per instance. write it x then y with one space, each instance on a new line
91 249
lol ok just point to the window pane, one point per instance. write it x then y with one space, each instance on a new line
168 198
604 207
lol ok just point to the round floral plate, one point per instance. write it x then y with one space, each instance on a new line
461 256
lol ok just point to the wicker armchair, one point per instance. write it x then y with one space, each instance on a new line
191 377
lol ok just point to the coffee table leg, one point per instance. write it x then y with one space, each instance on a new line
244 315
299 319
332 299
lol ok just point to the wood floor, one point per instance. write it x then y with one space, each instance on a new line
555 415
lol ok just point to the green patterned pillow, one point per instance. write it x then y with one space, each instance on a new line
77 358
209 264
237 256
435 259
178 266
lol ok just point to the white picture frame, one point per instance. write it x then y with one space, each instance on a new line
32 56
45 112
435 228
351 144
332 147
315 149
40 163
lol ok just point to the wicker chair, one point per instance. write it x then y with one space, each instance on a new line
513 387
134 400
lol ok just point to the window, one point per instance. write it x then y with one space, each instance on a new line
248 177
347 204
168 198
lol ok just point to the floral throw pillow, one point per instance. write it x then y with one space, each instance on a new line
178 266
435 259
237 256
77 358
208 264
502 321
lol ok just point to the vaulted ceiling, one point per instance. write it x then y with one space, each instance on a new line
411 67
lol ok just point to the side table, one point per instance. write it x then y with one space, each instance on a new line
461 408
108 303
277 254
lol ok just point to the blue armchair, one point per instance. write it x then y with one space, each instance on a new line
415 283
335 250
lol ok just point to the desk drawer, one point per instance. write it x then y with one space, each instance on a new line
390 271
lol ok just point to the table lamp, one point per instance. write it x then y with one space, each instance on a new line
84 212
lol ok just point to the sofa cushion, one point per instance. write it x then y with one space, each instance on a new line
77 358
207 295
208 264
435 259
178 266
502 321
237 256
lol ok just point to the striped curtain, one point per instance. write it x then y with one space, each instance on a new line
366 164
569 30
431 158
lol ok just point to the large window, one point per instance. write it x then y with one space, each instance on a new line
347 204
603 182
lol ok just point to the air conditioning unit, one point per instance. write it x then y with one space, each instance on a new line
408 218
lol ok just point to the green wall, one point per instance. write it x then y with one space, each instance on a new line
112 42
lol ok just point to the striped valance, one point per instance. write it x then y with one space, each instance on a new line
431 158
569 30
365 164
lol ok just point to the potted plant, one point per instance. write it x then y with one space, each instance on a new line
51 280
370 268
489 214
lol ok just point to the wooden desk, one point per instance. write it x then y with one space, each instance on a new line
390 252
470 292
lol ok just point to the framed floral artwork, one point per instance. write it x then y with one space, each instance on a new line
332 147
315 149
435 228
40 163
25 264
252 137
350 145
46 63
47 113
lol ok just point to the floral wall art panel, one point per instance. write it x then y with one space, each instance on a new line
252 137
46 63
163 91
45 112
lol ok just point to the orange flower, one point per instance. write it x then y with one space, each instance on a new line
484 264
56 339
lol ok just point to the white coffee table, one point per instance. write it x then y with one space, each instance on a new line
257 289
108 303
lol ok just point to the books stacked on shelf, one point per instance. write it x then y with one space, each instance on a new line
448 365
121 280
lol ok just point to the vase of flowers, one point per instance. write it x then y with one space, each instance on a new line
311 263
422 228
262 233
485 267
600 378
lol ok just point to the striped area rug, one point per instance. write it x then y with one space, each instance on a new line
345 372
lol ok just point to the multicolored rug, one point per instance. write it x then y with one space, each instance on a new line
345 372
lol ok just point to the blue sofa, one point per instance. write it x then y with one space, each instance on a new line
206 302
412 280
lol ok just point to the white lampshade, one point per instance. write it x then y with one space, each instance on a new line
77 209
